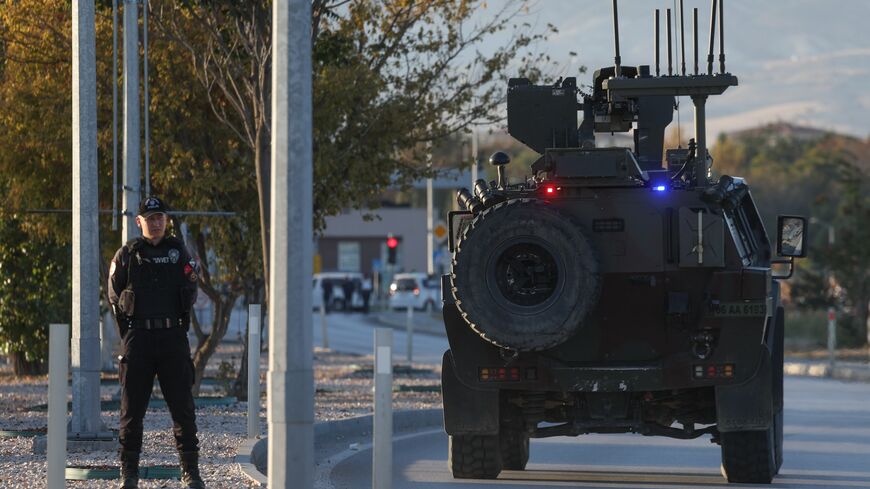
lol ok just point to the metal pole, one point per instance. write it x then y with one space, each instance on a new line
324 329
114 115
409 332
130 195
145 95
832 339
700 102
291 379
107 342
85 231
58 360
430 239
382 432
253 370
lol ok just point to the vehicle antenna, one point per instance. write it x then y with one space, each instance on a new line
712 38
616 59
695 34
682 41
670 51
722 36
656 43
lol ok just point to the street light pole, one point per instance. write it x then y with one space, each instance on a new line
291 379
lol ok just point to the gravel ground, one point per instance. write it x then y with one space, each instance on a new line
343 389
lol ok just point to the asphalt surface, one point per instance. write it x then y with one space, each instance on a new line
827 435
354 333
826 445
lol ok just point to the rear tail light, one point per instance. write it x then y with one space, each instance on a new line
713 371
506 374
416 291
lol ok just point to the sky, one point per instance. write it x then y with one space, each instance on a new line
805 62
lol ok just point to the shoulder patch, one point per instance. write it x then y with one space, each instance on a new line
173 255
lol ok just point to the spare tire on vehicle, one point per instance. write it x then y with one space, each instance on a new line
525 275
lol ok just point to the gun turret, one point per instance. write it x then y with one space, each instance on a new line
623 99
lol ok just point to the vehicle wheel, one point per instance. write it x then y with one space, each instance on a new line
749 456
514 449
524 275
474 456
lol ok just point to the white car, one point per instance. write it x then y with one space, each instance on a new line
337 282
416 290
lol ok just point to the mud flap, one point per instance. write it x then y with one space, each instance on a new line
466 411
747 406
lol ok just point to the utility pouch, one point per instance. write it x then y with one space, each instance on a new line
127 302
127 298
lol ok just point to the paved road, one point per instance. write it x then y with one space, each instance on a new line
827 445
354 333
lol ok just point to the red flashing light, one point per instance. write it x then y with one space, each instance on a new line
550 189
392 242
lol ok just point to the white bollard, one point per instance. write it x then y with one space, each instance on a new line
382 432
58 371
324 331
253 370
409 332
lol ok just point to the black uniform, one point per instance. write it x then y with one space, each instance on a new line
153 322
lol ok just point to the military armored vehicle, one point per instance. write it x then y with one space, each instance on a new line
619 289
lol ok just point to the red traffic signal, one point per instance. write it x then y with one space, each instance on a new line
392 242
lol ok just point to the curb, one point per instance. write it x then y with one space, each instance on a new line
109 473
252 453
857 374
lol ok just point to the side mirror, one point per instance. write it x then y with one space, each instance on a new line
791 233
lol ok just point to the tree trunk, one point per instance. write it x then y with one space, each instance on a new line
206 347
21 366
263 162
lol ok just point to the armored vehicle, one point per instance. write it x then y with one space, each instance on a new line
617 290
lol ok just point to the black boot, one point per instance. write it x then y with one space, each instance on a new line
129 470
190 470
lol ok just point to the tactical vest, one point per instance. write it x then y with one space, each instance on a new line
157 278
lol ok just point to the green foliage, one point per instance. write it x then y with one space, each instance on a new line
35 288
825 177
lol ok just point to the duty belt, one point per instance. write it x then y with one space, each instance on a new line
160 323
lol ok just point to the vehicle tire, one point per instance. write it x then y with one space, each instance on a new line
749 456
524 275
514 449
474 456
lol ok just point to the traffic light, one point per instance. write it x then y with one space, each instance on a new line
392 249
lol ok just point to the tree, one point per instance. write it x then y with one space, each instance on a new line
389 76
825 177
35 290
197 161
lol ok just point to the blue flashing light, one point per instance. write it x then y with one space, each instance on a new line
659 188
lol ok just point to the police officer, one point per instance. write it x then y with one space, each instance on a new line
152 286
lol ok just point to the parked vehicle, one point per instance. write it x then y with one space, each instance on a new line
417 290
343 291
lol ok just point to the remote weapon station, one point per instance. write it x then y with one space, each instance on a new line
618 290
